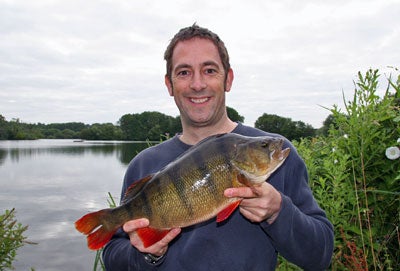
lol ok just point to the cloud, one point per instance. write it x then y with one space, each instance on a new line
94 61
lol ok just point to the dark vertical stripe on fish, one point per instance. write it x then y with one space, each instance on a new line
129 210
146 207
165 217
180 188
223 161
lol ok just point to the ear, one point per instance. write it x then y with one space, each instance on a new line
168 83
229 80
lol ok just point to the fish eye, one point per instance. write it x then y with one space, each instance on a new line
264 145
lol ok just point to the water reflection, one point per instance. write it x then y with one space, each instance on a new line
123 150
52 183
3 155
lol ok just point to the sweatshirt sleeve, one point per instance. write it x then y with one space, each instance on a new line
301 233
120 255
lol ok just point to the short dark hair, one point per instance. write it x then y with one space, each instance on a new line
193 31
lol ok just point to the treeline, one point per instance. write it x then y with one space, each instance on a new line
152 126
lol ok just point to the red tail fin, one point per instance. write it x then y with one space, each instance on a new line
93 226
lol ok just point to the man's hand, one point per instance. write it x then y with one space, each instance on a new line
157 249
259 203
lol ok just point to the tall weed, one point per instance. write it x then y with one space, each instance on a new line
98 264
353 180
11 239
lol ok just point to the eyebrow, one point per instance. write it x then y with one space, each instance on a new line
181 66
210 63
206 63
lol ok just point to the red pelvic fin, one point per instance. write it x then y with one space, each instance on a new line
92 225
150 236
224 214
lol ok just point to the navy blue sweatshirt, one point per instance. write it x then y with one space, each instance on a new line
301 233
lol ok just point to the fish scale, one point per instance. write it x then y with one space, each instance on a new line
190 189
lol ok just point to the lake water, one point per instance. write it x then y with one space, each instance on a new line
52 183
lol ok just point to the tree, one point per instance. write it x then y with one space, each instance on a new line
304 130
102 131
148 125
293 130
74 126
130 126
15 131
326 125
3 128
234 115
275 124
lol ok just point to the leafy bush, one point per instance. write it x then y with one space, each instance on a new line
353 180
11 238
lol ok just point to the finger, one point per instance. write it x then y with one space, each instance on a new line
167 238
160 248
133 225
240 192
249 203
250 215
171 235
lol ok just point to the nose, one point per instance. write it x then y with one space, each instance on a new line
198 82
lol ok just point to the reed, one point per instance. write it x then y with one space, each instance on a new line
98 261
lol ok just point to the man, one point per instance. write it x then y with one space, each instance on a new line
281 216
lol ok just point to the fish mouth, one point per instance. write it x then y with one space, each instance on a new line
280 154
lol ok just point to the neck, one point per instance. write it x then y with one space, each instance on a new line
194 134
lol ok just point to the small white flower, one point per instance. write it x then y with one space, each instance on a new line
347 136
398 140
333 149
392 153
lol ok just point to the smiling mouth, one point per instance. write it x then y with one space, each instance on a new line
199 100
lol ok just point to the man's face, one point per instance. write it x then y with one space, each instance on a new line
198 82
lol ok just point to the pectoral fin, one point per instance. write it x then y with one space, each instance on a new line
224 214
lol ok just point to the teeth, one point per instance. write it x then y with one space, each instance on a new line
198 101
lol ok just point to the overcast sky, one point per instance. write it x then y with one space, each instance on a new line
94 61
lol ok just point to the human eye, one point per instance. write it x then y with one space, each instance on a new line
210 68
182 73
210 71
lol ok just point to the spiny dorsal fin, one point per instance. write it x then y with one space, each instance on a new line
134 188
